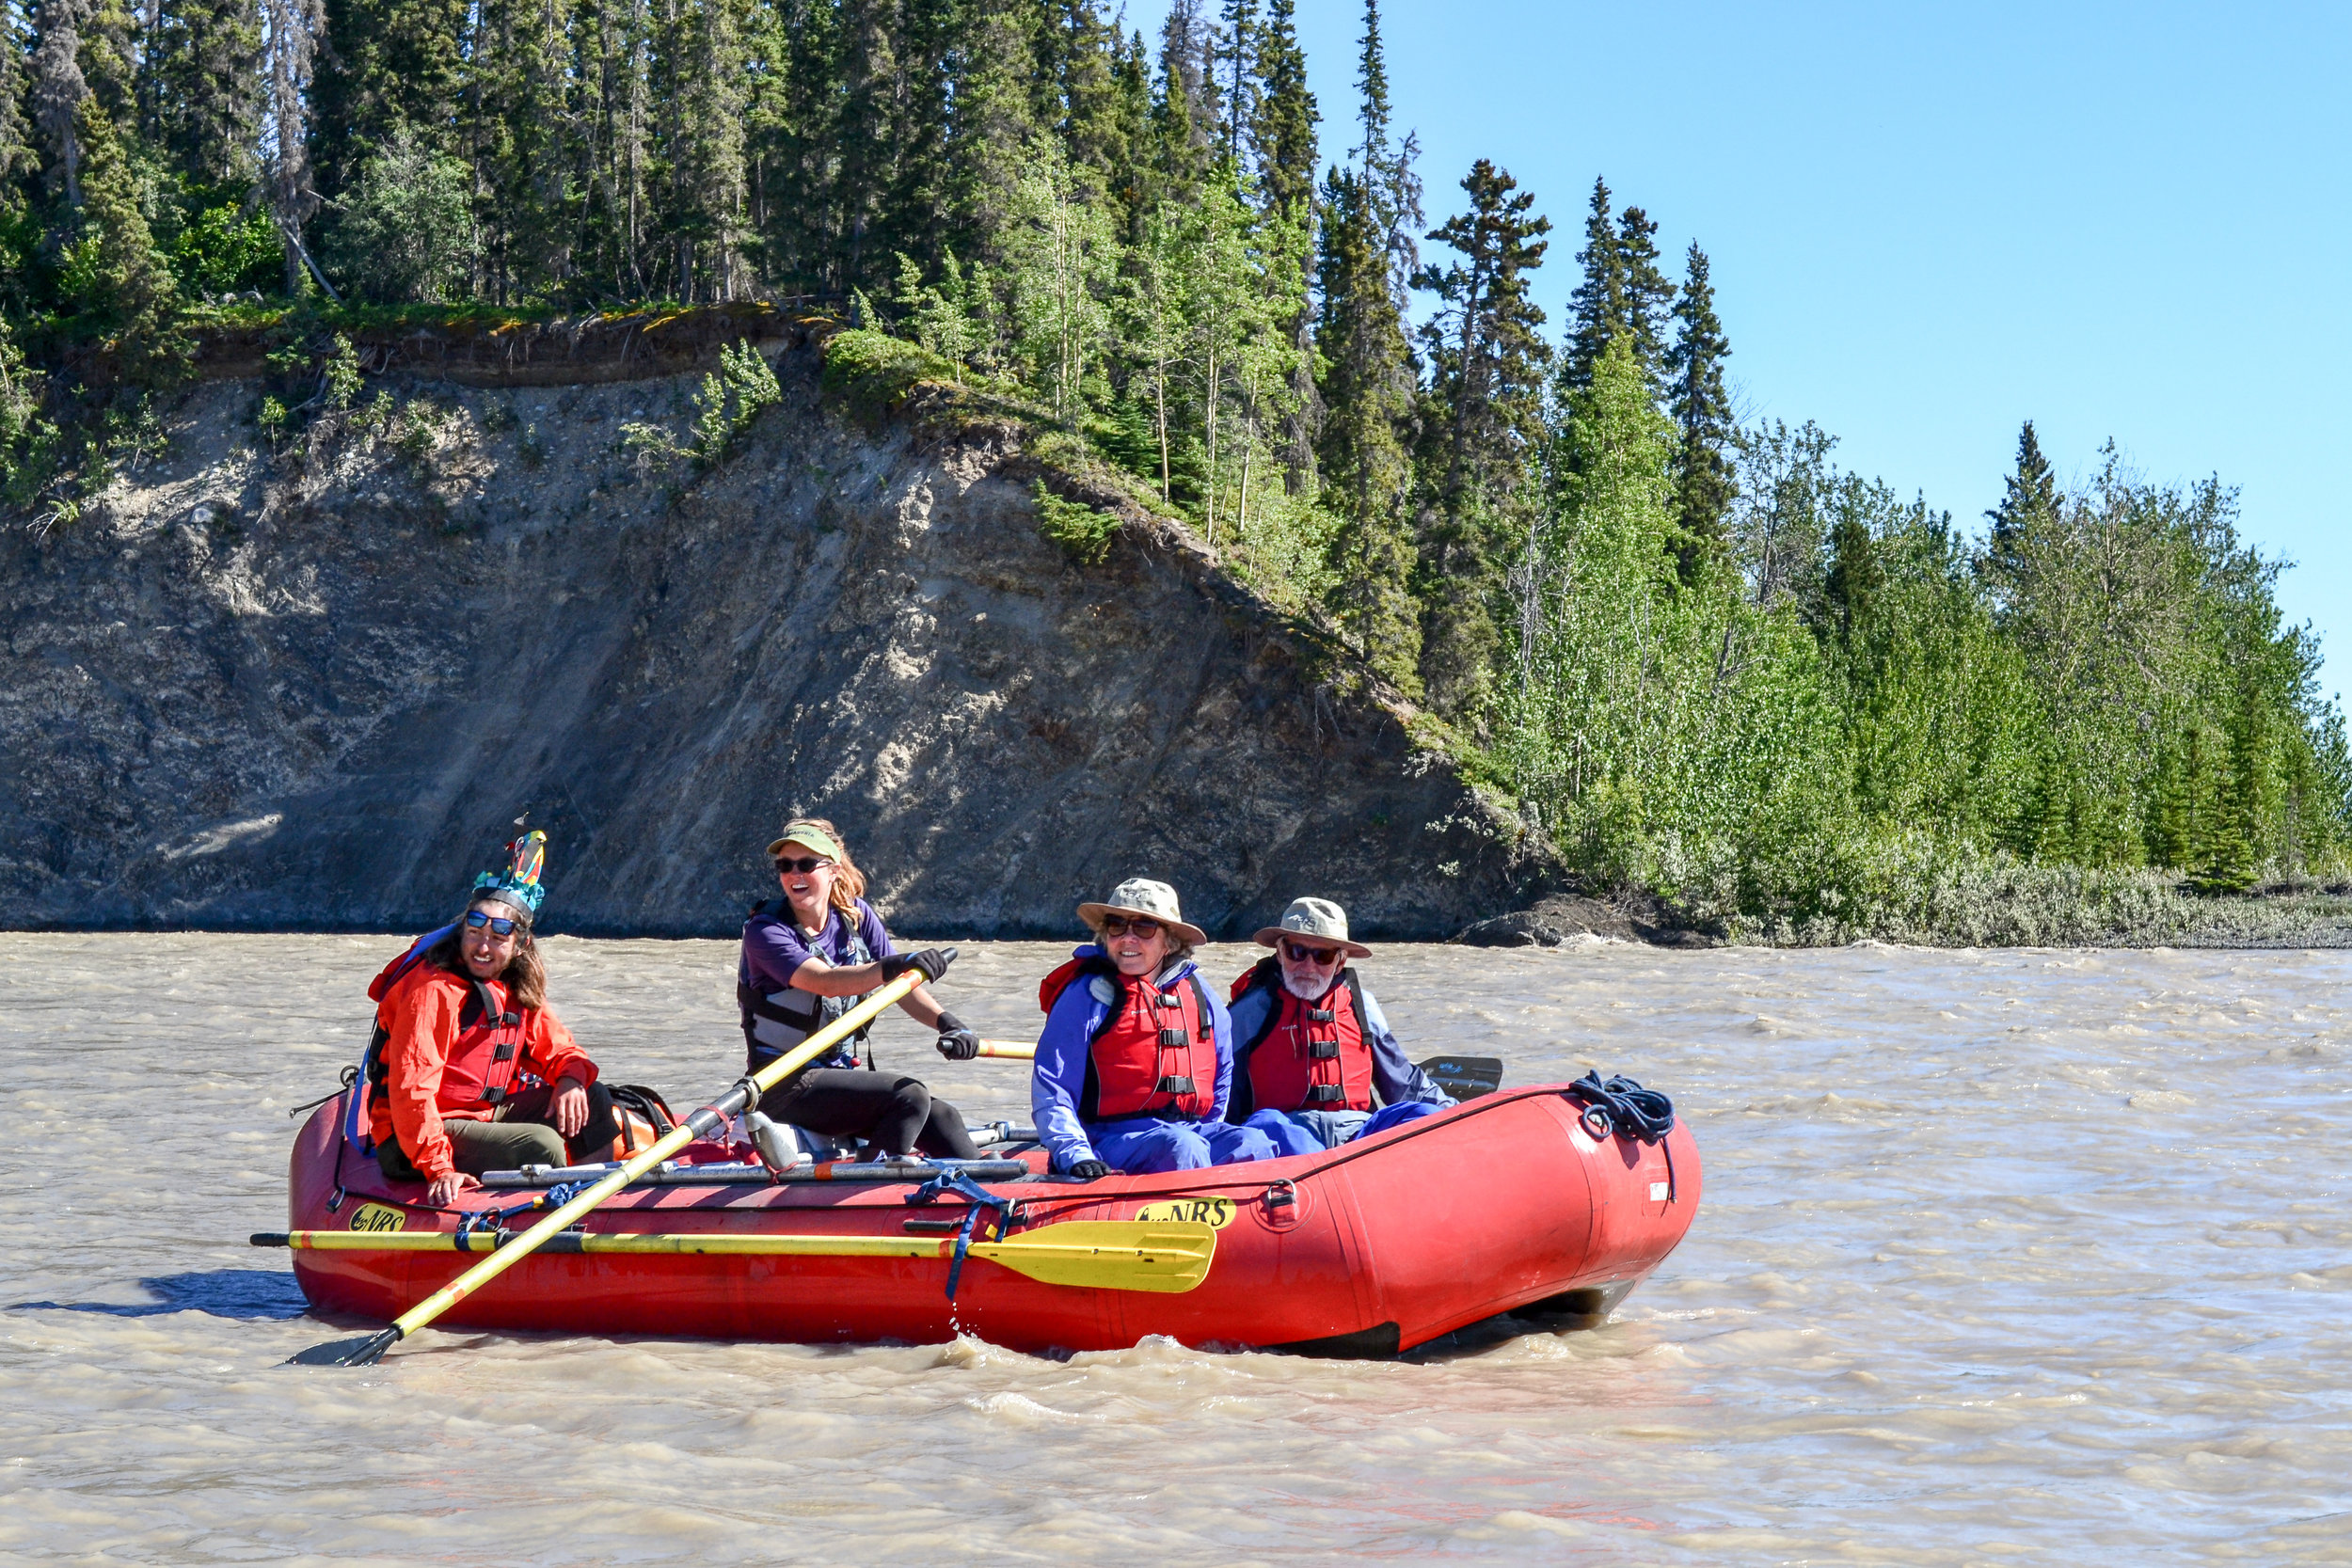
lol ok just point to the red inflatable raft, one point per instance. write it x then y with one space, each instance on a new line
1506 1203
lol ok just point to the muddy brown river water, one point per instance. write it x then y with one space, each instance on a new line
2006 1256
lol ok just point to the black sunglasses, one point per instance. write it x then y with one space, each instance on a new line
1299 953
498 924
806 864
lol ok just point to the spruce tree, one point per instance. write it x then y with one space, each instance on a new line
1648 294
791 134
2172 816
1090 126
1185 114
1282 150
873 106
120 279
525 145
1237 48
699 75
1134 182
1367 393
1856 579
1602 309
1703 419
1487 358
2030 493
385 64
58 91
110 50
17 154
1282 134
203 81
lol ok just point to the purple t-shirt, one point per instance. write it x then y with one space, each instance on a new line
774 949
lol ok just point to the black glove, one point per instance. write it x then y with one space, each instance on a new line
1089 1170
931 961
956 1042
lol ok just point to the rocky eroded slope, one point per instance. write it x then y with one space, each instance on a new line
312 689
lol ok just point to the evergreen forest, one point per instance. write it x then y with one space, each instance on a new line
1714 667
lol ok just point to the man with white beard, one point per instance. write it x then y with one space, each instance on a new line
1312 1051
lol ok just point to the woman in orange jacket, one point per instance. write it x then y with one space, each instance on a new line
470 1071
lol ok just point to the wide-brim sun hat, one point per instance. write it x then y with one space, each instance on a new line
1152 900
1315 921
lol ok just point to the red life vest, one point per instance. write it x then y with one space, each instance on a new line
1154 1054
1309 1057
479 1073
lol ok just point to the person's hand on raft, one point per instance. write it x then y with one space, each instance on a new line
570 1107
931 961
1089 1170
443 1190
957 1042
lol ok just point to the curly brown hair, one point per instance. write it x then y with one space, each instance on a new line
525 977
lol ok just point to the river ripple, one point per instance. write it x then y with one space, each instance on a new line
2005 1256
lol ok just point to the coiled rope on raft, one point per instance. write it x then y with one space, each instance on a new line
1622 1105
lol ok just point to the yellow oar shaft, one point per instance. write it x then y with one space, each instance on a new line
695 1126
1019 1049
1114 1255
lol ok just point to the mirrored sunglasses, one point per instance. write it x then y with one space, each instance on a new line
498 926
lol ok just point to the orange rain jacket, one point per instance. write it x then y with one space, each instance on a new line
419 1012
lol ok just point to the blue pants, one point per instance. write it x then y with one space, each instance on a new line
1141 1147
1313 1131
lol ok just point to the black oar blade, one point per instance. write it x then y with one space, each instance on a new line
1465 1077
364 1351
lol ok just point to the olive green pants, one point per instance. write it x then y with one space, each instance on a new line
520 1139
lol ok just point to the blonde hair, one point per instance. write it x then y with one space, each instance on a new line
849 882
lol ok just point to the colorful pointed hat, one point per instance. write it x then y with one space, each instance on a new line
518 884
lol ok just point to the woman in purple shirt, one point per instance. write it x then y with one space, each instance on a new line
807 957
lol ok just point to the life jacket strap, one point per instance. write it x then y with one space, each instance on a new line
1323 1051
1326 1094
1175 1083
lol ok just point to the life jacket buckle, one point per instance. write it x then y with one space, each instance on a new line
1323 1051
1325 1094
1323 1014
1173 1038
1175 1083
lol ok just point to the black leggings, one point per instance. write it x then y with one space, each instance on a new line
893 1114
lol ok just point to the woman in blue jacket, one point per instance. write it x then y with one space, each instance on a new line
1135 1064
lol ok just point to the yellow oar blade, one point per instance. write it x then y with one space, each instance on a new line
1101 1255
1110 1255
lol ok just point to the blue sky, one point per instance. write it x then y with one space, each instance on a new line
1931 222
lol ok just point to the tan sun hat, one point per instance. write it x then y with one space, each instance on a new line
1152 900
1315 921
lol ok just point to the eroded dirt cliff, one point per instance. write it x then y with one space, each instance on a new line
257 690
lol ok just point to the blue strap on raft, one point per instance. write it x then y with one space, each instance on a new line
1622 1105
500 1219
978 1198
